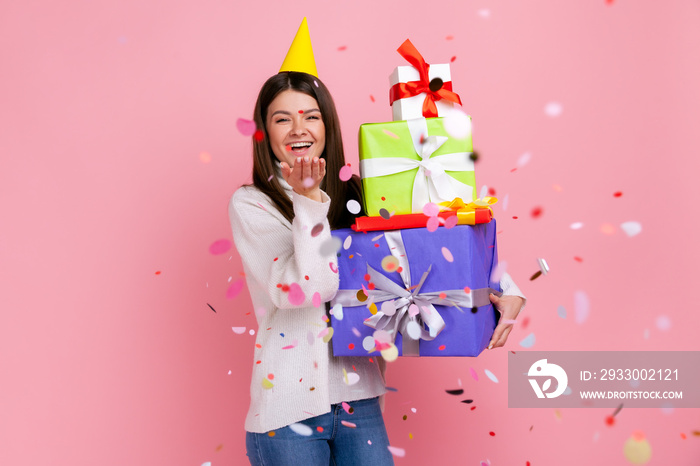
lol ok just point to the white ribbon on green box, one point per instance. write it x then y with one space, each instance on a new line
407 164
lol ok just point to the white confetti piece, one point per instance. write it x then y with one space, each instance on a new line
352 378
457 123
330 247
337 311
238 330
251 331
581 306
301 429
356 332
396 451
528 341
352 425
631 228
413 330
389 308
490 375
353 206
524 159
447 254
347 242
485 13
663 323
413 410
505 202
368 343
484 191
561 312
576 226
553 109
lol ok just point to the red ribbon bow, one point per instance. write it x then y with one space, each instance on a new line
414 88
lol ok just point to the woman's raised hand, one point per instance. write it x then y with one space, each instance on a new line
305 176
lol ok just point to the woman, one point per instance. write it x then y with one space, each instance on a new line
302 409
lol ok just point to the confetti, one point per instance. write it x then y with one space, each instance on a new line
607 229
474 374
368 343
348 409
371 97
352 379
618 194
220 246
524 159
211 307
238 330
637 449
342 47
327 337
581 307
498 271
388 308
390 354
337 311
484 13
334 269
390 264
457 124
316 299
453 59
353 206
631 228
536 212
348 424
561 312
204 157
663 323
490 375
385 214
432 224
330 246
389 133
458 391
317 229
431 209
301 429
467 401
266 384
396 451
296 295
345 173
553 109
451 221
234 289
413 330
528 341
245 127
447 254
576 226
258 135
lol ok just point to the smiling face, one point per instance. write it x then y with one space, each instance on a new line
295 127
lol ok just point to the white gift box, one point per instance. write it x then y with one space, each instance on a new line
412 107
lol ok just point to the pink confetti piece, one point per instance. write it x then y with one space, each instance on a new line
396 451
553 109
296 295
498 271
663 323
245 127
473 373
333 267
451 221
293 345
356 332
220 246
389 133
234 289
431 209
269 178
347 408
204 157
432 224
352 425
447 254
524 159
316 299
238 330
345 173
323 332
581 306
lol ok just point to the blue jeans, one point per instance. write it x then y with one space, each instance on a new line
332 444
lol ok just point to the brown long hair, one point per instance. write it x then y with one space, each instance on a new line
264 159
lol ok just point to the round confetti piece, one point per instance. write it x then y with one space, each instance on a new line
266 384
390 354
296 295
524 159
390 263
353 206
637 451
345 173
330 246
385 214
561 312
234 288
352 425
553 109
607 229
352 379
631 228
492 434
490 375
663 323
238 330
576 226
373 309
457 124
317 229
245 127
220 246
451 221
431 209
204 157
536 212
413 310
316 299
433 224
301 429
396 451
581 307
528 341
258 135
498 271
337 311
368 343
413 330
388 308
447 254
618 194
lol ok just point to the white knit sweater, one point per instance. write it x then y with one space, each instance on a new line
295 375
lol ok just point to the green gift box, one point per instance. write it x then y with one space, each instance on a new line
407 164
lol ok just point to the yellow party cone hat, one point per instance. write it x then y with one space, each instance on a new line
301 56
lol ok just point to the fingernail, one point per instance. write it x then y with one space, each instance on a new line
299 159
490 346
315 159
306 159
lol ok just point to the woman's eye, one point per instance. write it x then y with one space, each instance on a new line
313 117
281 120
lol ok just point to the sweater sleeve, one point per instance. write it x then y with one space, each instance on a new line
285 260
511 289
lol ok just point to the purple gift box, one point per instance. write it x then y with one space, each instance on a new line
430 290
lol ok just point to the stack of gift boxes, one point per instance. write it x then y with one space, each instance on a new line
416 272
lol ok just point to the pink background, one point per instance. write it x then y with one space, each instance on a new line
109 109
